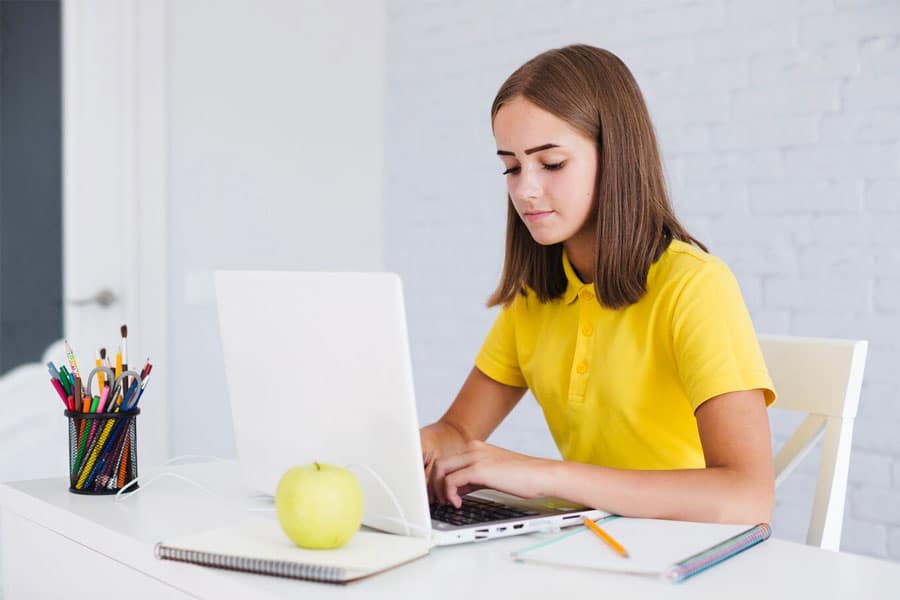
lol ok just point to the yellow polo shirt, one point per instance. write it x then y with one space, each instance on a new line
619 387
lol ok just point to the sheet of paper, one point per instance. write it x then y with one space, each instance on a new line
652 544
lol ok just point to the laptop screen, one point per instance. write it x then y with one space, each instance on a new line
318 369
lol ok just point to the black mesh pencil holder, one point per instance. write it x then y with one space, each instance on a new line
102 451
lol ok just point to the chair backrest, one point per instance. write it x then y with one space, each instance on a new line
822 377
33 430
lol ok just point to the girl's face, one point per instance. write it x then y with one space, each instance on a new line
550 172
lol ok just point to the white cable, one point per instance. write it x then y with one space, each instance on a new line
120 498
172 461
391 495
406 523
204 457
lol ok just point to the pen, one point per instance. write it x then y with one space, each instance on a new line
606 538
53 370
147 368
130 395
141 391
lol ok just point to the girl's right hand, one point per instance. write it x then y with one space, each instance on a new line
437 440
428 461
479 407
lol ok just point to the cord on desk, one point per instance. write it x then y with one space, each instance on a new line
408 526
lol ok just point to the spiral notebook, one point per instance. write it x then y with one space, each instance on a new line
257 545
671 550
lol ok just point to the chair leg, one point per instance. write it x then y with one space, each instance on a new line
827 517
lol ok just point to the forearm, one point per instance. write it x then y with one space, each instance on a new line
715 494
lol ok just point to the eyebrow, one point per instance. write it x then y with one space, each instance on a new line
529 151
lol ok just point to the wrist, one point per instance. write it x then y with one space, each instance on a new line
443 437
549 475
452 435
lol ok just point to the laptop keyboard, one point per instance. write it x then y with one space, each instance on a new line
477 510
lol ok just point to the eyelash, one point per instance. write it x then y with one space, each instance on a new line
553 167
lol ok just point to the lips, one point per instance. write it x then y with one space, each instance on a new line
537 215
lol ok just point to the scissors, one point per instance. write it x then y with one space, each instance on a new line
109 377
128 395
107 399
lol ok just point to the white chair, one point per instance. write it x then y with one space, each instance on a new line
34 432
822 377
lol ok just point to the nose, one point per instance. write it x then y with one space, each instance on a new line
525 187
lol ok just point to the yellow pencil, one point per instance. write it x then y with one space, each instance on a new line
100 379
118 363
606 538
117 371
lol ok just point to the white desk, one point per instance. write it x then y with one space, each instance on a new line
61 545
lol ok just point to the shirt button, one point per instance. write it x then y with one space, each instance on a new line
582 368
587 294
587 329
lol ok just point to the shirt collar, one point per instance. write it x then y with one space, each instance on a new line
574 284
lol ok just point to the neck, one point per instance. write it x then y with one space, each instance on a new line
581 256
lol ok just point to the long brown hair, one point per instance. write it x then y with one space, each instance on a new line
593 91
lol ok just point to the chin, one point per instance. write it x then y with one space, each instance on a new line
546 239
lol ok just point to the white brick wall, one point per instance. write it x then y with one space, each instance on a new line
780 128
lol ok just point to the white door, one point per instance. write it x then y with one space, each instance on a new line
114 259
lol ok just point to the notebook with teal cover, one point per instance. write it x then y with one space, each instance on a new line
671 550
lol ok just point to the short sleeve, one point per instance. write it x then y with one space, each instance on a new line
498 357
714 342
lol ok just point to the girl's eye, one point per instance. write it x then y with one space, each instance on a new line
552 167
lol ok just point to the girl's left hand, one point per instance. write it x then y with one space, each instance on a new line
483 465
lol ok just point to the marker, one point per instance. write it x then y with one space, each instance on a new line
104 396
59 390
65 379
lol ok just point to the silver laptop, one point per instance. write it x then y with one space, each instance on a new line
318 369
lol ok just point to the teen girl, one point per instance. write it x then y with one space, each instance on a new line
634 340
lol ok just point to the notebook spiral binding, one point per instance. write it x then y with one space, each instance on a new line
252 565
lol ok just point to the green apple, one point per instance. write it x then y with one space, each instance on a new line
319 505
